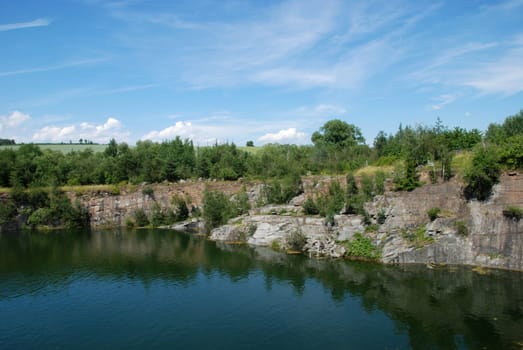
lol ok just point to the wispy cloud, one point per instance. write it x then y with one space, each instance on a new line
39 22
53 67
124 89
442 101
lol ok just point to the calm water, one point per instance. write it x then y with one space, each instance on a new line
167 290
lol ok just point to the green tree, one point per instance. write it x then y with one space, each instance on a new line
339 134
217 209
483 174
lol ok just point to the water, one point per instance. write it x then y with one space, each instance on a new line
169 290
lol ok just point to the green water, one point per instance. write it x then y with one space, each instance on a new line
169 290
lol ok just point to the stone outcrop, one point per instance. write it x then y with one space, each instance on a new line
465 232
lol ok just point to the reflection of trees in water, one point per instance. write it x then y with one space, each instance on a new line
438 308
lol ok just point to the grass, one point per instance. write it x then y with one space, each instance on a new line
461 162
371 170
64 148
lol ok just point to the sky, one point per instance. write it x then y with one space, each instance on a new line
264 71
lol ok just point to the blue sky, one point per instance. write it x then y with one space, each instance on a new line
267 71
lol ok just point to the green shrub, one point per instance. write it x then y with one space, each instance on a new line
362 247
513 212
482 175
379 180
296 240
433 213
461 228
382 216
140 218
148 190
181 208
367 186
407 178
240 202
7 211
310 207
158 217
217 209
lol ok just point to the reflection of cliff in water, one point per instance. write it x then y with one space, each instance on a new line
441 308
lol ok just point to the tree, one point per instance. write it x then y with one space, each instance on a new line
249 144
483 174
339 134
112 148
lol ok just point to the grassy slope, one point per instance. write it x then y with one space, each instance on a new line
64 148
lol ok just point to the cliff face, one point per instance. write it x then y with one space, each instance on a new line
108 210
472 233
469 233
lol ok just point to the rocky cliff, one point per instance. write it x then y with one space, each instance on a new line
464 232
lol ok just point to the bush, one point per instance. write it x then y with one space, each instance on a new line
379 181
513 212
148 191
461 228
181 208
217 209
482 175
296 240
140 218
240 203
433 213
362 247
310 207
7 212
382 216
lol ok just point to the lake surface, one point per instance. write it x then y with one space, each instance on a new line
159 289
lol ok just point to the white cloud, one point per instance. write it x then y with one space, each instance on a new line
290 135
13 120
39 22
102 133
55 133
182 129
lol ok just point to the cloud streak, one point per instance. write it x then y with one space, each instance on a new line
53 67
39 22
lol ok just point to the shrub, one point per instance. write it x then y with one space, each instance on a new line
140 218
362 247
148 190
216 209
7 212
158 217
379 181
310 207
513 212
240 203
407 179
482 175
461 228
181 208
296 240
433 213
381 216
367 186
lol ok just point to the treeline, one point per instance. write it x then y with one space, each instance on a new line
338 147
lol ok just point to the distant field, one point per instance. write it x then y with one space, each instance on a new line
64 148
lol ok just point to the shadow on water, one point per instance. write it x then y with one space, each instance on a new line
445 308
